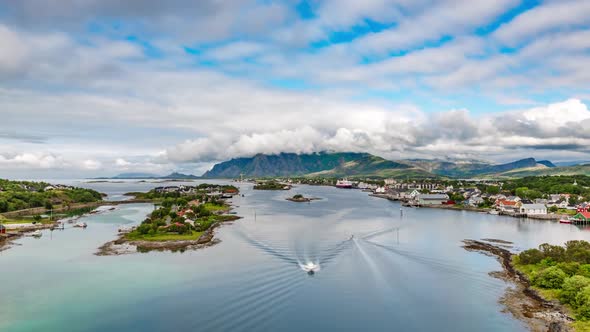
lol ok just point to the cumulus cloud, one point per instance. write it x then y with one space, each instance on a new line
32 160
454 133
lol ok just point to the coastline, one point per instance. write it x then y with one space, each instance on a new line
7 239
523 302
548 217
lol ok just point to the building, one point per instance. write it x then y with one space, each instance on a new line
582 217
380 190
432 199
475 200
506 205
533 209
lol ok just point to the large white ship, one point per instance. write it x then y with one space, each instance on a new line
343 184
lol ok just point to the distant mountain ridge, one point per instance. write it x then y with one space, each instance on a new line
171 176
313 164
350 164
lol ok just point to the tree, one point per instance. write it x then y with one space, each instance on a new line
493 190
551 278
553 209
530 256
556 253
573 200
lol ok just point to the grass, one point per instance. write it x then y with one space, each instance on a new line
24 221
215 207
164 237
566 211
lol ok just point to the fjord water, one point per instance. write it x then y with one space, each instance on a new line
398 272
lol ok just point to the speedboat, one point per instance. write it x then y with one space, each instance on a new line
310 268
566 221
81 224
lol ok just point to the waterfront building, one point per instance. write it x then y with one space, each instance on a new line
533 209
432 199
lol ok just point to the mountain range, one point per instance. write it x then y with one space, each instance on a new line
352 164
171 176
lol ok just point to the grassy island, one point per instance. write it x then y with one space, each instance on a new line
271 185
561 273
178 220
185 218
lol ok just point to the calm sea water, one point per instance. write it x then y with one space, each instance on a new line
399 272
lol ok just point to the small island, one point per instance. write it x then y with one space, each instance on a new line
302 199
271 185
186 219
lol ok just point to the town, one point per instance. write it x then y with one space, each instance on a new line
564 198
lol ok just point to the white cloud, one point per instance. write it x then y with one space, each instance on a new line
546 17
92 165
32 160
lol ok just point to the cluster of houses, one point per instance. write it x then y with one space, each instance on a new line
431 193
213 191
56 187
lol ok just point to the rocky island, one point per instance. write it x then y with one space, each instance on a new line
302 199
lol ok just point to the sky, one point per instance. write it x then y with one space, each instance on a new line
101 87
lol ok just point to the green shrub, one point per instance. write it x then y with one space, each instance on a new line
551 277
584 270
571 287
583 303
570 268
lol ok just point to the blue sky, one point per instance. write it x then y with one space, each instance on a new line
100 87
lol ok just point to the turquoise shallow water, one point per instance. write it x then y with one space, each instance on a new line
405 273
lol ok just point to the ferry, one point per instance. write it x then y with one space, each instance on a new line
343 184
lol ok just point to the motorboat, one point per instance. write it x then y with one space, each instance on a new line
566 221
310 268
126 229
37 233
80 224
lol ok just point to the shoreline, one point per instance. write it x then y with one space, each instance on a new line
7 239
523 302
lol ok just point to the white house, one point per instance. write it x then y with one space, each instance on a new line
380 190
475 200
533 209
